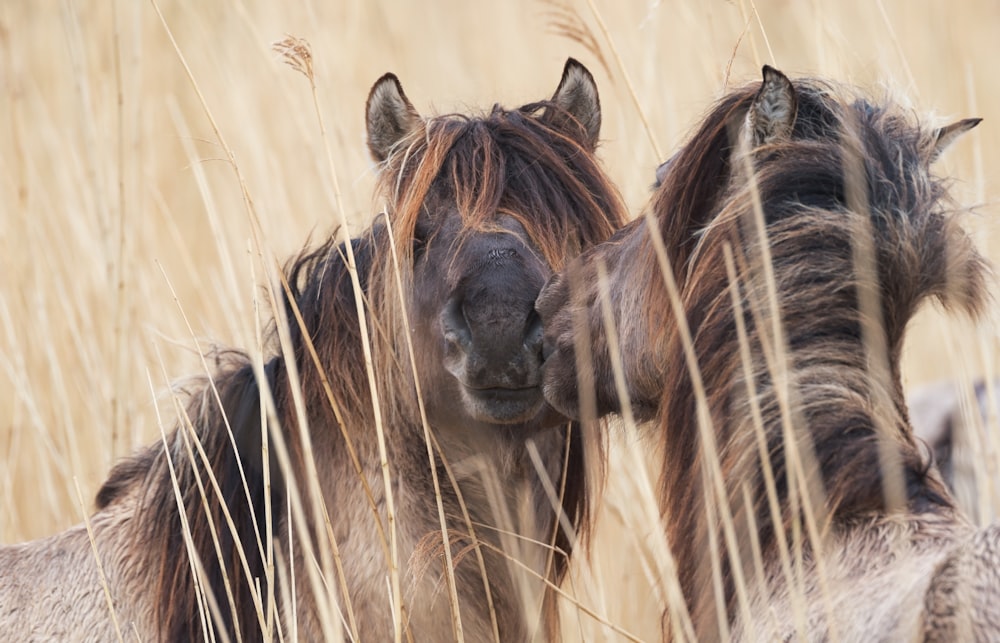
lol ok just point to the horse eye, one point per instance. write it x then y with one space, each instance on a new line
421 239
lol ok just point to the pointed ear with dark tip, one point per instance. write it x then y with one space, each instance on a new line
948 134
771 116
389 116
577 95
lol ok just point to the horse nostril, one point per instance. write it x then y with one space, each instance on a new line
533 334
455 324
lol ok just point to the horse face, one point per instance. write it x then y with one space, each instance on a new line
474 296
477 270
571 311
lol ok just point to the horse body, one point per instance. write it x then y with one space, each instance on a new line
52 588
802 229
868 595
203 533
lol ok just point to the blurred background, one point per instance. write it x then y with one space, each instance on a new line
126 240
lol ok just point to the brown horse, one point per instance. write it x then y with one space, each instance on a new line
802 228
425 476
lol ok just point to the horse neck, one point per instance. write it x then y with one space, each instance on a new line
492 482
486 471
813 380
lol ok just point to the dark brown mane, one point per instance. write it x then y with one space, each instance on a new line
237 467
812 226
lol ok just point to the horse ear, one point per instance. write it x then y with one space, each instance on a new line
389 116
772 113
577 96
661 172
948 134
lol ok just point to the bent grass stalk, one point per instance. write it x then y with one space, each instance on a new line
456 614
299 56
312 476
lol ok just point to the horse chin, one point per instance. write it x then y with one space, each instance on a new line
559 388
504 405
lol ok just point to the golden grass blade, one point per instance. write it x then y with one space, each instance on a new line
188 435
327 623
554 496
871 318
732 57
807 497
467 520
680 619
903 60
206 599
191 436
270 610
627 78
562 521
328 556
16 372
760 586
456 613
119 409
564 21
526 569
298 54
763 452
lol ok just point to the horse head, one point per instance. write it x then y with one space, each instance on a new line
482 211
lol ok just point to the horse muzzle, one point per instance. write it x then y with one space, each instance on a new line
496 357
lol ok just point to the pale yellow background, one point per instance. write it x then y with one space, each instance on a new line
124 235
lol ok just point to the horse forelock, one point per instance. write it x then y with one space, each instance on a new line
814 217
514 162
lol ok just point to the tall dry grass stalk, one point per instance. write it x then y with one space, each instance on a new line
125 185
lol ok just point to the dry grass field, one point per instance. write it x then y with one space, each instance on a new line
126 244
